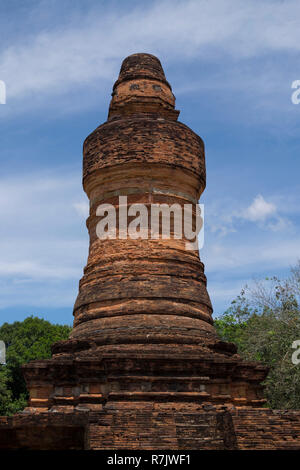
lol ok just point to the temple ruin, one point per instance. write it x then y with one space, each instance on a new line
144 367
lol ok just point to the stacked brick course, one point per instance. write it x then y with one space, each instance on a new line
144 367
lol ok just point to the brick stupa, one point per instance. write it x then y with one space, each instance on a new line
143 367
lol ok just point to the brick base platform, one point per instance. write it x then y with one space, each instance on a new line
145 426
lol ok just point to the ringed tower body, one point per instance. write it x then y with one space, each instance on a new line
143 367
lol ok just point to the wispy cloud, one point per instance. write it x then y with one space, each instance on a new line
89 46
246 257
43 240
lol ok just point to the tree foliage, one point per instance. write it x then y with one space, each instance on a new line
263 322
25 341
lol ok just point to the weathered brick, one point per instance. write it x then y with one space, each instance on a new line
143 367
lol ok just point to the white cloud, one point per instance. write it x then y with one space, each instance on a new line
247 241
34 270
266 215
247 255
259 210
43 243
91 45
227 217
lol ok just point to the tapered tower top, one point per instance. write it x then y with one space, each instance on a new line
142 88
141 65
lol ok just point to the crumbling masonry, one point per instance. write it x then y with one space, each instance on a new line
143 367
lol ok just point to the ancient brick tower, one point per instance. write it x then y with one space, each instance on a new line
143 329
144 367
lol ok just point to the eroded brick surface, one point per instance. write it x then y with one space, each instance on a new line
143 367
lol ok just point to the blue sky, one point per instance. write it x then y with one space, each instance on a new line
231 65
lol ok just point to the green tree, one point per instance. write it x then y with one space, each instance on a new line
25 341
263 322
